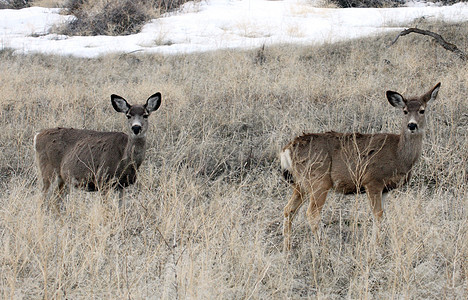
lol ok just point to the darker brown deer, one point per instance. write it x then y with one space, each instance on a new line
353 162
95 160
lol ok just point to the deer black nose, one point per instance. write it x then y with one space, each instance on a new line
136 129
412 126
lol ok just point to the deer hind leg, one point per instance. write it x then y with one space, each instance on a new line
122 202
318 196
374 193
46 181
48 175
51 199
289 213
59 193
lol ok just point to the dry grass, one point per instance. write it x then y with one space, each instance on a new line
49 3
113 17
205 219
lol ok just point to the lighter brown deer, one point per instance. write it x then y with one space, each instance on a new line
95 160
353 162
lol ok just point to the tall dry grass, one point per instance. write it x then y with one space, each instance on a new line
205 218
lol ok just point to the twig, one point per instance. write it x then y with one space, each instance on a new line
438 38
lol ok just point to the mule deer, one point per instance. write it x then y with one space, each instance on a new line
353 162
95 160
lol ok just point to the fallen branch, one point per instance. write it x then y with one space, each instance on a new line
438 38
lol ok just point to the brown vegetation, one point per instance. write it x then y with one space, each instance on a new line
114 17
204 218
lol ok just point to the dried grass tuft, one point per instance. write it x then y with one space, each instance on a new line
205 219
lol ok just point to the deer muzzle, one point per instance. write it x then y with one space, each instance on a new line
136 129
412 127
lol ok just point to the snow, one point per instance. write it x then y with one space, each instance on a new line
218 24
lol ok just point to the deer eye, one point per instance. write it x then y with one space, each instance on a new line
129 116
405 112
145 116
421 111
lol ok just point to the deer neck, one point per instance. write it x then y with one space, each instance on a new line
135 151
409 148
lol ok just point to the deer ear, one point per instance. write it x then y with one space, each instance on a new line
432 94
119 104
153 102
395 99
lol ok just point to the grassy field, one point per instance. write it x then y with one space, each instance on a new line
205 218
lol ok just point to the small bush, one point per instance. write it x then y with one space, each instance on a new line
74 6
449 2
168 5
15 4
368 3
384 3
119 17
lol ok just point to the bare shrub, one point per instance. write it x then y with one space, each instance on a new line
74 6
167 5
118 17
448 2
368 3
15 4
121 17
384 3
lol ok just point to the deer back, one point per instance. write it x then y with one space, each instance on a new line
81 155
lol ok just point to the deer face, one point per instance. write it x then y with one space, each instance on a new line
414 118
413 109
137 115
137 120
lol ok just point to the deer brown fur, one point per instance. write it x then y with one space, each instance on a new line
353 162
95 160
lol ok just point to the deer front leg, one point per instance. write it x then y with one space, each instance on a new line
289 213
122 202
374 192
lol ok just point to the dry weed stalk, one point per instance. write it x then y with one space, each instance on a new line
223 110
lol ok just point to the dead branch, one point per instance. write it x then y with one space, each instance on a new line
437 37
